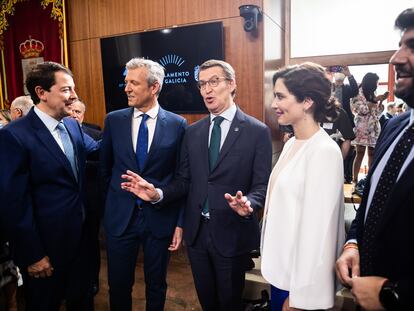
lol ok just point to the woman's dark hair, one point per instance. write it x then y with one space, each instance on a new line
369 86
309 80
43 75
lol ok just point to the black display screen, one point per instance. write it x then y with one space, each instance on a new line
179 50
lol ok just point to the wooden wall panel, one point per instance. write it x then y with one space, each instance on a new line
80 65
109 17
87 70
244 51
191 11
78 20
96 84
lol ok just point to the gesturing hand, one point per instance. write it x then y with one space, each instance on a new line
140 187
239 203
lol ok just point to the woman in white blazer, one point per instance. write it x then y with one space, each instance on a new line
303 228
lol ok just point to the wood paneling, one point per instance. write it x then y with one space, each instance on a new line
194 11
96 84
348 59
87 69
109 17
80 65
78 20
94 19
244 51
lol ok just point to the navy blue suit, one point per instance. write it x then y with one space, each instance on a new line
392 259
129 226
41 207
219 249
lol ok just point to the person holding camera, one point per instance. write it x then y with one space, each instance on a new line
368 108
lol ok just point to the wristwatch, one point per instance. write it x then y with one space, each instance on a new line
388 296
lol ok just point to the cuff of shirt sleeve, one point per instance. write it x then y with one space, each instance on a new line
161 194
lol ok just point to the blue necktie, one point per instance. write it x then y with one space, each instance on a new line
213 151
141 151
68 147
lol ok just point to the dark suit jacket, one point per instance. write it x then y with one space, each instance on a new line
393 259
348 91
41 201
244 164
117 156
92 131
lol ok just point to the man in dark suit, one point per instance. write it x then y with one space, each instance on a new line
93 195
78 113
225 164
388 114
375 261
144 138
41 181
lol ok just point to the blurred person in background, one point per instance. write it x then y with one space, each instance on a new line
368 108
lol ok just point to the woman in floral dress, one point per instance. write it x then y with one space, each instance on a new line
367 108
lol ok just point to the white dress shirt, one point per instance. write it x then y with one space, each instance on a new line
228 116
151 123
51 124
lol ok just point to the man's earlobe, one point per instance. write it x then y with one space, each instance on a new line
40 92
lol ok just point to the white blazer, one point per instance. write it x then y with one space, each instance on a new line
303 229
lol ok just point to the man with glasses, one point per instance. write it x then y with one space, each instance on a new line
224 168
20 106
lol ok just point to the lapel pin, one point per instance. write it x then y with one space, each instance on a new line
236 129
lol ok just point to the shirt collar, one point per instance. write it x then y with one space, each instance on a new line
49 121
227 114
152 113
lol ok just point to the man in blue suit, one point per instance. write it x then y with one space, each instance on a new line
144 138
376 261
41 180
225 164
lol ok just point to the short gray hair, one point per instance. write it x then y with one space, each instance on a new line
24 103
156 72
228 70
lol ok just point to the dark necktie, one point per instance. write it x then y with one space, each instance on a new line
68 147
213 151
384 187
142 143
215 140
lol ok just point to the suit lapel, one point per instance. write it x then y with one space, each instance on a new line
236 128
49 142
125 132
203 141
404 184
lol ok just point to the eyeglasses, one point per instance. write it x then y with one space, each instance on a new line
213 82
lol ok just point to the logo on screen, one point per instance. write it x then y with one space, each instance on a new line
176 76
171 59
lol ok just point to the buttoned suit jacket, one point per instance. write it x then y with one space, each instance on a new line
244 163
392 259
118 156
41 201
